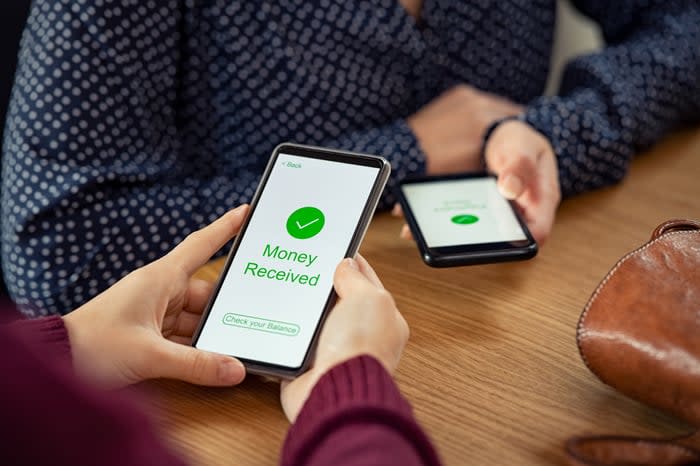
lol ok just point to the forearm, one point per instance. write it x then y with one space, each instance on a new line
616 103
50 333
91 132
46 401
109 230
355 415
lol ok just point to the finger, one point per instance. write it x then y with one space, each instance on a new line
518 173
368 271
540 210
198 294
512 153
531 180
195 366
348 279
397 211
406 233
199 246
185 324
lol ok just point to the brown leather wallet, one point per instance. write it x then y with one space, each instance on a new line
640 334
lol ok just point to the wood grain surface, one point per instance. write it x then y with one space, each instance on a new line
492 367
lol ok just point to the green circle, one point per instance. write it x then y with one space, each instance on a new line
465 219
305 223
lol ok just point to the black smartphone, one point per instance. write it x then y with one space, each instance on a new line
464 220
311 209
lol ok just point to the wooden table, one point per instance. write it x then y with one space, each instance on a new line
492 367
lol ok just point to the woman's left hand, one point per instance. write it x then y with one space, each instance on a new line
141 327
527 173
524 161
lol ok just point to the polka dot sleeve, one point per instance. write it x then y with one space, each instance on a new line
93 180
119 142
615 103
134 122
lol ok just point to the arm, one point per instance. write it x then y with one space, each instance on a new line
617 102
62 419
355 415
139 329
435 139
105 168
346 409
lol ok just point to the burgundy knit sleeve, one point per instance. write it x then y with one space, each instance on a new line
49 334
51 417
355 415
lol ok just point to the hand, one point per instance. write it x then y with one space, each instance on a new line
364 321
527 172
140 328
451 127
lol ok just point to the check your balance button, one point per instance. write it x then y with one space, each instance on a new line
262 325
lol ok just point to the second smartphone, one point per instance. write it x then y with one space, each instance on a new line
311 209
464 220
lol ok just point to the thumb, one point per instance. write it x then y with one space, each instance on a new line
197 366
512 154
349 279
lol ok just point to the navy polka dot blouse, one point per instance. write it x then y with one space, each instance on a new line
135 122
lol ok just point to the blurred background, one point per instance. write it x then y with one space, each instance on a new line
575 35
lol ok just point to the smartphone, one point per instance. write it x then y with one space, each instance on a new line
311 209
464 220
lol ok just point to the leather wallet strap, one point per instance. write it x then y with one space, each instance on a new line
610 450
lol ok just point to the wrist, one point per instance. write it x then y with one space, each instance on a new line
51 332
359 388
296 393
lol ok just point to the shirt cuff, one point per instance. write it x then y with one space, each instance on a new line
588 149
49 333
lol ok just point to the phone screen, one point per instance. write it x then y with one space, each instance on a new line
270 302
462 211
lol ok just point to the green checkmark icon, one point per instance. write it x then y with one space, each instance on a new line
305 223
465 219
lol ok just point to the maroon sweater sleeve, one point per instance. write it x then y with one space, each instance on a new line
51 417
355 415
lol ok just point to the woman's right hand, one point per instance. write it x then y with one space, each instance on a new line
365 320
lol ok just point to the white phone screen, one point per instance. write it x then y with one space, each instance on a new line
462 211
271 300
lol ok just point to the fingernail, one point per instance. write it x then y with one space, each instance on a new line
405 232
239 208
396 211
510 187
231 371
352 263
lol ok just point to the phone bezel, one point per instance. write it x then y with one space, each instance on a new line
352 158
465 254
